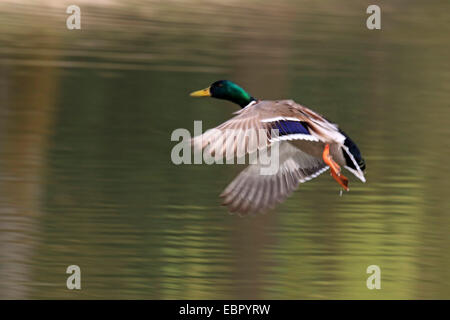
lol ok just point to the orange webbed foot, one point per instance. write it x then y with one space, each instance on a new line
334 168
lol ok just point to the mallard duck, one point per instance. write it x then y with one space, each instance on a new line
309 144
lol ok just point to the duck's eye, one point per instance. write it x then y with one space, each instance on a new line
220 85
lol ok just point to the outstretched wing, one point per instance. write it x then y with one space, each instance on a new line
255 127
245 133
252 192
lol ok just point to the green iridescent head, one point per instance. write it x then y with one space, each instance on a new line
226 90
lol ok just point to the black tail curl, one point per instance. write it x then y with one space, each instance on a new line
353 148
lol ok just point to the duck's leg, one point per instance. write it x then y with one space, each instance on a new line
334 168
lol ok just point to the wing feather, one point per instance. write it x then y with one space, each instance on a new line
258 125
252 192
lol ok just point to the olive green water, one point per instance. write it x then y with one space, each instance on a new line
85 171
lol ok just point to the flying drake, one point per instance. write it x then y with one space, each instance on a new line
308 145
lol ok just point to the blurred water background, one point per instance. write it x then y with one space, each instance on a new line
85 170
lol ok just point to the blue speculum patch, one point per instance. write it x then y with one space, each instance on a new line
286 127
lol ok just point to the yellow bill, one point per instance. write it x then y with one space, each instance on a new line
201 93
